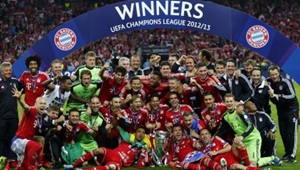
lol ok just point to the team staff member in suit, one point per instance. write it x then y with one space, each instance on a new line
284 97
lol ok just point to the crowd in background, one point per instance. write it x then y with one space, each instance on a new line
23 22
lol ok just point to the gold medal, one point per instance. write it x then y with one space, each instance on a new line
34 90
40 130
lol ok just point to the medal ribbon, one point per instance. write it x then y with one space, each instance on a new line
33 81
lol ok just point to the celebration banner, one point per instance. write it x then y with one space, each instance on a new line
192 15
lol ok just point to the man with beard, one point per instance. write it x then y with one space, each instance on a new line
33 79
111 84
156 116
154 85
183 153
192 126
110 139
24 143
172 60
85 91
213 113
209 83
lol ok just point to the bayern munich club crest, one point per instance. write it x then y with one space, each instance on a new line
65 39
257 36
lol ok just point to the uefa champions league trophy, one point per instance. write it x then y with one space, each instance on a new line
160 141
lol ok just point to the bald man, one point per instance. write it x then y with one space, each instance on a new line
24 144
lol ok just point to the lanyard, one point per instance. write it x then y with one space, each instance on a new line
135 117
109 115
91 121
33 81
176 116
213 116
187 133
40 121
156 113
208 147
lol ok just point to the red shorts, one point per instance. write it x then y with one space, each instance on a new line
110 157
229 157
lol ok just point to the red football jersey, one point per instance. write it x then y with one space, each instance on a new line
125 92
158 116
182 148
110 88
126 153
136 119
69 136
109 117
207 86
214 115
176 117
29 124
160 91
216 144
33 86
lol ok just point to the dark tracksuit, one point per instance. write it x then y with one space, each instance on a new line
52 141
8 115
287 110
240 87
264 123
261 97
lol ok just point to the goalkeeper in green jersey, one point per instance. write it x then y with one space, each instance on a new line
245 132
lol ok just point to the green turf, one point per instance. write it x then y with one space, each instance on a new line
280 149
